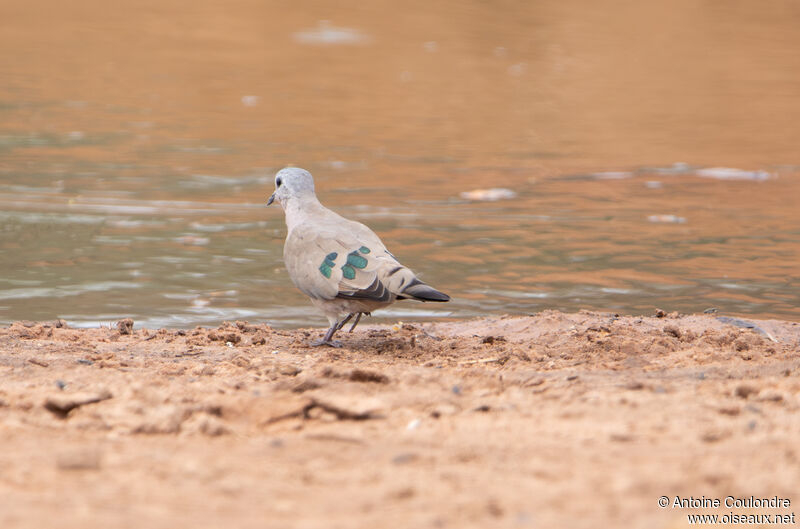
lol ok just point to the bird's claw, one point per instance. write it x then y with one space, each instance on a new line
330 343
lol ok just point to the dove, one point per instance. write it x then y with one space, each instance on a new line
340 264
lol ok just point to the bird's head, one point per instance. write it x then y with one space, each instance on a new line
291 182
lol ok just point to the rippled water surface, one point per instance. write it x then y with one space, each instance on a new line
648 154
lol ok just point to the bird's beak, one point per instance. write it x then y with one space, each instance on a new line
271 199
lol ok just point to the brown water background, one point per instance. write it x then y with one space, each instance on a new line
652 147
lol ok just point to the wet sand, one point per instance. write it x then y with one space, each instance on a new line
570 420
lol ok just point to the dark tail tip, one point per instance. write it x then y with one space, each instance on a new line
423 292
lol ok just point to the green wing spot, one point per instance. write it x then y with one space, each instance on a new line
325 270
329 263
353 259
363 249
347 271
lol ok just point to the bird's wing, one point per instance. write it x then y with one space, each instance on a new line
344 259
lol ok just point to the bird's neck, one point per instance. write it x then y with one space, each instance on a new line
299 209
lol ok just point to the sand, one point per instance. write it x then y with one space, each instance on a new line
550 420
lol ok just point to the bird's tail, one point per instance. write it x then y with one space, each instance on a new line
422 292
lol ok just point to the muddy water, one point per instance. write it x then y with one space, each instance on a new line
651 152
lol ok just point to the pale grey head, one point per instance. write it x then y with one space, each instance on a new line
291 182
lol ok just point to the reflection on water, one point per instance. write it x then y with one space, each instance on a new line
641 156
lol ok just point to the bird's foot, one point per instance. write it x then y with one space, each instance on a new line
330 343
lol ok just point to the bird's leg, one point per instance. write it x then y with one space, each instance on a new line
326 340
358 319
341 323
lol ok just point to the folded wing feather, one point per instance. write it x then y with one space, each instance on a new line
351 264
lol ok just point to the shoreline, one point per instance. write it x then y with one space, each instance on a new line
556 419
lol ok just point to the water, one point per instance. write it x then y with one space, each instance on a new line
651 151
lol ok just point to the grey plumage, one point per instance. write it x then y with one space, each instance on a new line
340 264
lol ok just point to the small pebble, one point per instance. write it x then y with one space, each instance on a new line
402 459
125 326
743 391
413 425
79 460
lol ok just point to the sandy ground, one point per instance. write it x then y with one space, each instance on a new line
552 420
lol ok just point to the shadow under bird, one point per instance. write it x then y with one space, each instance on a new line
340 264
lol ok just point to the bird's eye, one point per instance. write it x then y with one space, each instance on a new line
278 182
